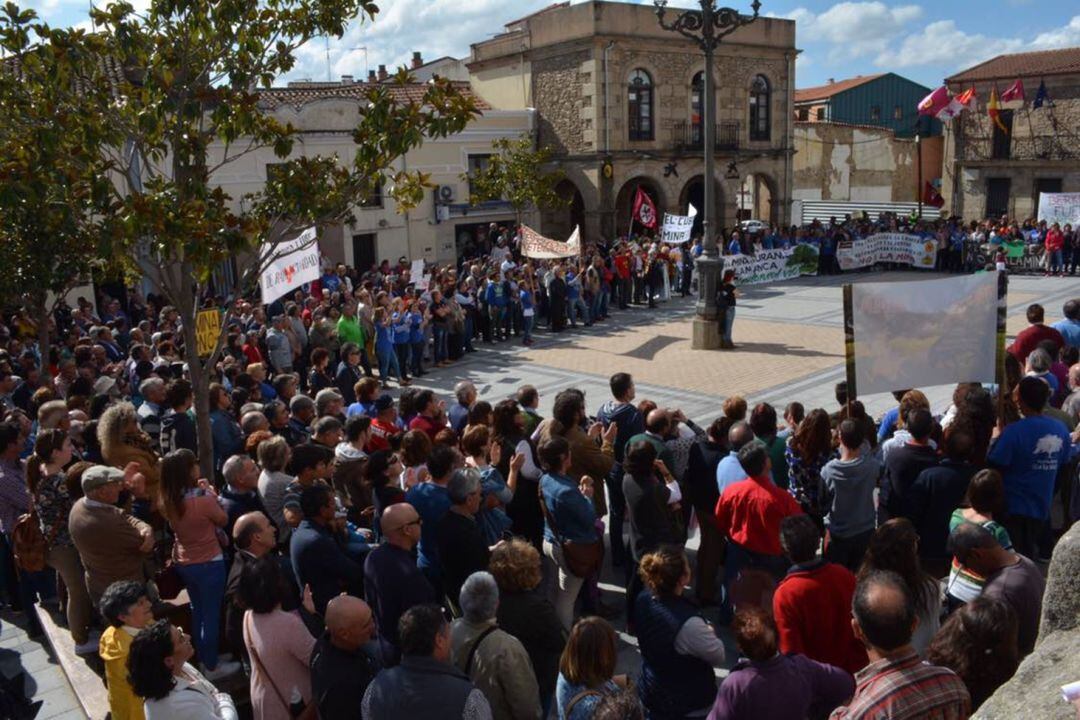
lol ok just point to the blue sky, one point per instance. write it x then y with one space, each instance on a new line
924 41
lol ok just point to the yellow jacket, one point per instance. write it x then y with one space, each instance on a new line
114 648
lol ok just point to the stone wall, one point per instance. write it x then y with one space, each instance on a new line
557 93
1035 691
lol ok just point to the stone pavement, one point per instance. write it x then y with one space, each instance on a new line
45 680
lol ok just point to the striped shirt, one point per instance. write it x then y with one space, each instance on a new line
906 688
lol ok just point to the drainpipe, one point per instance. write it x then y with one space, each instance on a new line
607 125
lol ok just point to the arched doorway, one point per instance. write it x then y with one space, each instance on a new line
624 206
757 199
558 222
693 193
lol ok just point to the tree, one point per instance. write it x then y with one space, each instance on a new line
55 194
516 174
186 76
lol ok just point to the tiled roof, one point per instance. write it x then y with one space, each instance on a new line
821 92
1029 64
299 94
857 126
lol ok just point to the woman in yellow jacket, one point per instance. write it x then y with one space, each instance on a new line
126 607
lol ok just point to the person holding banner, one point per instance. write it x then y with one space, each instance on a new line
725 305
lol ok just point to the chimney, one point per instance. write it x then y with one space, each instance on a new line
382 73
832 80
346 79
371 78
417 59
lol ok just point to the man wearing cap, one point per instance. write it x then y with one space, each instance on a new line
113 544
384 426
279 346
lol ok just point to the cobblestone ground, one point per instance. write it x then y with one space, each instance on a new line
790 348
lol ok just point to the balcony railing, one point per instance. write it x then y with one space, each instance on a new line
1022 147
691 136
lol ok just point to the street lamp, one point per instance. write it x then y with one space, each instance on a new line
707 27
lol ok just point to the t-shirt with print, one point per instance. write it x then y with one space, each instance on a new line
1029 453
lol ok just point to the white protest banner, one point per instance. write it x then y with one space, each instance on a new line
295 262
535 245
922 333
417 277
897 248
773 265
1060 208
676 228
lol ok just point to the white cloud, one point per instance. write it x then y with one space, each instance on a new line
947 46
852 29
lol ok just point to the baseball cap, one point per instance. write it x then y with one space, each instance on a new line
384 402
100 476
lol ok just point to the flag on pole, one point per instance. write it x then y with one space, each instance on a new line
1042 97
954 108
935 102
994 111
644 209
1014 94
968 99
931 196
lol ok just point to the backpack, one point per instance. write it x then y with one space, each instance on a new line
28 542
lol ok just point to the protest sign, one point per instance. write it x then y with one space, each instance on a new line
1060 208
773 265
419 279
676 228
896 248
295 262
535 245
207 331
923 333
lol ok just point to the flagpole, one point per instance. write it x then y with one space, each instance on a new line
633 201
918 164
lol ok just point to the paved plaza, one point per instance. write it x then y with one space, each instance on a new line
790 348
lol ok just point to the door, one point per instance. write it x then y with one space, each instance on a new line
1045 185
997 197
363 251
1002 139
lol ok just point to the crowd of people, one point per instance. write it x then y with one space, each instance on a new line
357 554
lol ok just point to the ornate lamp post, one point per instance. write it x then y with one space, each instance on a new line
707 27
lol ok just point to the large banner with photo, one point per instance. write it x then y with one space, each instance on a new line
898 248
773 265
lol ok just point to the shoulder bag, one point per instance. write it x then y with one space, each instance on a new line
310 711
583 559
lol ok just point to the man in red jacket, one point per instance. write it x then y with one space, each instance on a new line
812 604
749 513
1029 338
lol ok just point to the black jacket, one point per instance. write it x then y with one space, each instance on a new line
339 678
531 618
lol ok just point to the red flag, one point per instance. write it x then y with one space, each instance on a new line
931 196
1015 93
994 110
935 102
644 210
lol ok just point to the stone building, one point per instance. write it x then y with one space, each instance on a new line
839 162
619 101
325 113
990 171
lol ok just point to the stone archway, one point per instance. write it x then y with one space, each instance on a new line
624 204
693 192
558 222
758 199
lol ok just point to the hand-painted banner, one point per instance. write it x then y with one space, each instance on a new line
676 229
1060 208
535 245
773 265
295 262
887 248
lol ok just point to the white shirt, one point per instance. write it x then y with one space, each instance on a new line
193 698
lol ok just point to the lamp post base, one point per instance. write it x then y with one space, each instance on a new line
706 334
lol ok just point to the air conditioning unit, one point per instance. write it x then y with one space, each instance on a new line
446 193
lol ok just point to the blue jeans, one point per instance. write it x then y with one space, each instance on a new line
402 350
527 321
729 320
388 362
595 304
442 348
418 357
1056 264
470 328
605 298
205 584
572 307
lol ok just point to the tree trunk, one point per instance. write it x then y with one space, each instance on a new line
187 306
41 315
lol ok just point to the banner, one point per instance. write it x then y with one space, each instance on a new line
1060 208
419 279
922 333
535 245
887 248
676 228
296 262
207 330
773 265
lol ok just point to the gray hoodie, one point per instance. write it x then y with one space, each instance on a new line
847 493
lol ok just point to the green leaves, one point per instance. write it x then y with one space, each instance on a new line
517 174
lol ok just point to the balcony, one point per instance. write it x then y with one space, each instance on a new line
690 137
1021 148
